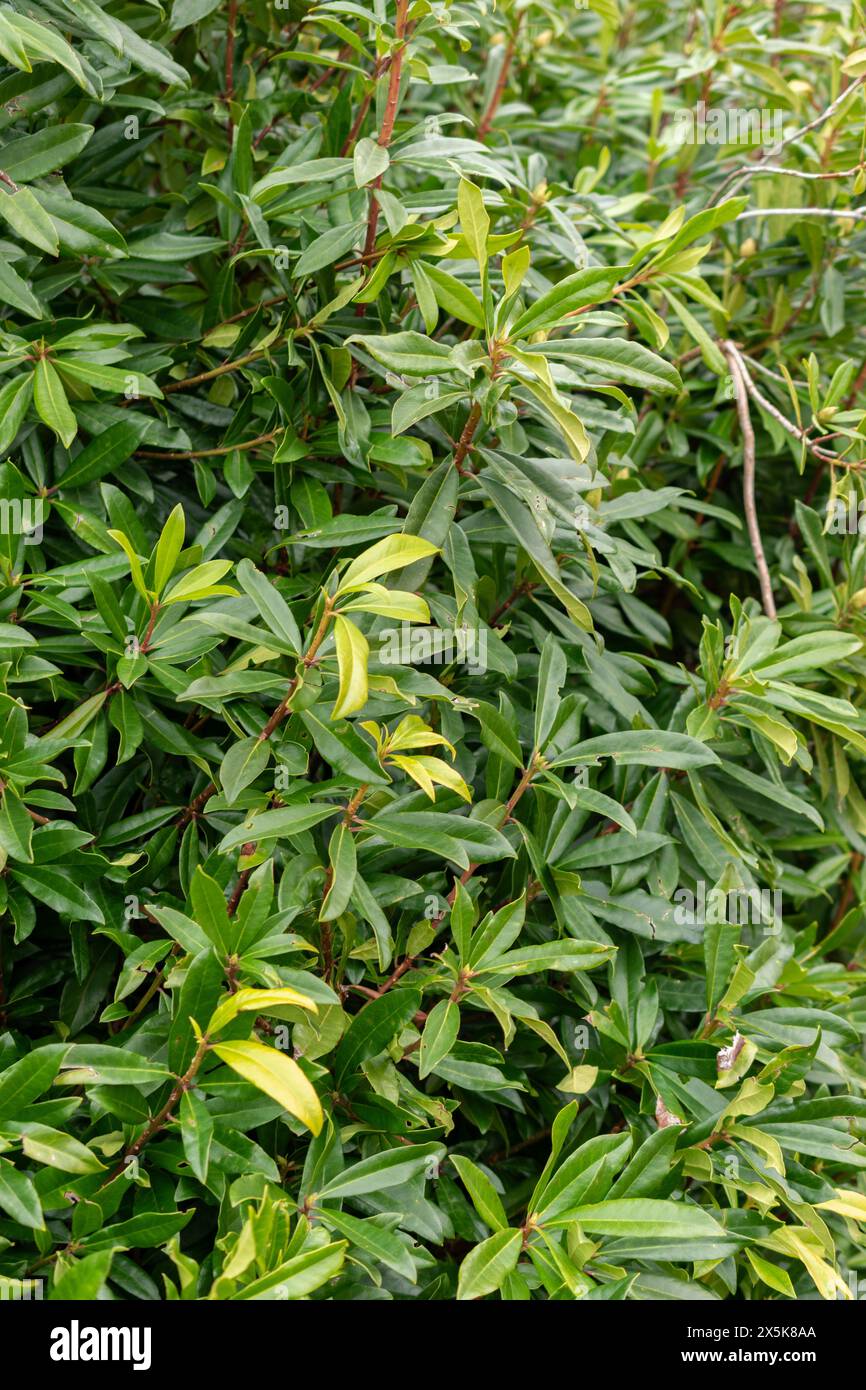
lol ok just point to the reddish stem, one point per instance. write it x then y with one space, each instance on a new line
501 83
230 63
466 437
388 119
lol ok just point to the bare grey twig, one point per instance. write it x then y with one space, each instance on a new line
800 212
738 177
738 375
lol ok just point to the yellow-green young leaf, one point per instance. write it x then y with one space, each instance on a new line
751 1099
201 582
772 1275
489 1264
804 1245
51 404
847 1203
352 653
12 47
82 1280
228 333
277 1075
392 553
514 268
473 219
413 768
769 1148
544 1031
535 365
168 548
260 1001
390 603
569 424
300 1275
578 1080
855 63
412 732
426 771
134 563
778 731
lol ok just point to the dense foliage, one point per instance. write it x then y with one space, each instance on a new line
431 640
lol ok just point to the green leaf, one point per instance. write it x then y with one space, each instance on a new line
28 219
144 1232
270 604
276 825
720 940
553 955
16 828
574 292
641 747
642 1216
301 1276
370 160
196 1130
32 156
552 671
15 291
485 1198
473 219
452 837
242 764
342 869
83 1280
384 1246
373 1028
616 360
392 1168
327 248
409 353
102 455
56 890
454 297
19 1198
439 1035
28 1077
486 1268
51 403
52 1147
90 1064
15 398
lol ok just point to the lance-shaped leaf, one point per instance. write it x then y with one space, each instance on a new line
278 1076
353 652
